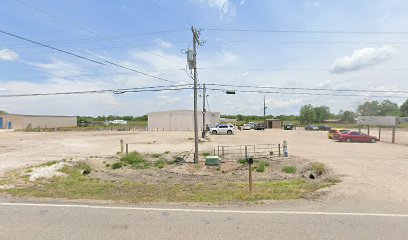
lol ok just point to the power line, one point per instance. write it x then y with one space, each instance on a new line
304 31
53 48
307 42
296 69
85 58
305 93
308 89
91 32
168 12
114 91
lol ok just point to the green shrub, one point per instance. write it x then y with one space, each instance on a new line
117 165
289 169
160 163
135 160
242 161
262 166
317 168
156 155
205 154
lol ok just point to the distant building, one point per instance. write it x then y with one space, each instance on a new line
19 121
273 123
180 120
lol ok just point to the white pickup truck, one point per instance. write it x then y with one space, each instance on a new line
122 122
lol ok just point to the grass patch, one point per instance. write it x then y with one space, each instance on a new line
205 154
155 155
289 169
78 186
135 160
317 168
242 161
261 167
117 165
47 164
166 152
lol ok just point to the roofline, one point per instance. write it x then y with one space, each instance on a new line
29 115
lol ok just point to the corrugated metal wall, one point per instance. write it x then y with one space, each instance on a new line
181 120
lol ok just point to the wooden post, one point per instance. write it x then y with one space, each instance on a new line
222 152
250 178
218 150
379 133
393 134
285 148
368 130
279 147
121 146
127 149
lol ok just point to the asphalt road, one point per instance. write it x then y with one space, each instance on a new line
49 221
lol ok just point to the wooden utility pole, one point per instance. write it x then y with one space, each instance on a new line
264 108
195 42
204 110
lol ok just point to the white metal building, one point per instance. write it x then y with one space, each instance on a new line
180 120
19 121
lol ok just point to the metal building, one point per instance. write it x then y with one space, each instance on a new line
180 120
19 121
273 123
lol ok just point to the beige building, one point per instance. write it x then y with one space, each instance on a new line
273 123
18 121
180 120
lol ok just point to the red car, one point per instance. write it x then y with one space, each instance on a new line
356 137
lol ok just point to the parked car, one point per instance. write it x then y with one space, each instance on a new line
334 131
288 126
311 128
121 122
259 127
324 128
223 129
252 124
352 136
246 127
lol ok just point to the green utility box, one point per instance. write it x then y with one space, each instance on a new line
212 160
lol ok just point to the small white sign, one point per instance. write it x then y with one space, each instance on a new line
377 120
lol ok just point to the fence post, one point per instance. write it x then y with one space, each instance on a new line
246 153
121 146
222 152
214 151
127 149
393 134
285 148
368 130
379 133
279 147
218 150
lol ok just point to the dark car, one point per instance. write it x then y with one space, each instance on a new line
311 128
259 127
324 128
288 126
355 137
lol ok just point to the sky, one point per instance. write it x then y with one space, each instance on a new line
341 44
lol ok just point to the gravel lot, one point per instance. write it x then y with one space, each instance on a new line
370 171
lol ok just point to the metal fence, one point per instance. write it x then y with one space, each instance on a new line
244 151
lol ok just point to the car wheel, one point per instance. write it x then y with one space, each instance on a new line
229 132
348 140
214 132
372 140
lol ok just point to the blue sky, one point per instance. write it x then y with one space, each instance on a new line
149 35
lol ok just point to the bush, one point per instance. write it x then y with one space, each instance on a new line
289 169
205 154
156 155
317 168
262 166
135 160
160 163
242 161
117 165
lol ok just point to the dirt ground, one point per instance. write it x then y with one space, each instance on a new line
370 171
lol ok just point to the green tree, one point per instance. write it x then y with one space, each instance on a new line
307 114
388 108
347 116
322 113
369 109
404 109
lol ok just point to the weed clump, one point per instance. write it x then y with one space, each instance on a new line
289 169
317 168
262 166
117 165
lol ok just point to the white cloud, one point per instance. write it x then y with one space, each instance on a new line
225 7
8 55
58 68
162 44
362 58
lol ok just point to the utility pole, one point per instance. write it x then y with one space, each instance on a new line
195 42
204 111
264 108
